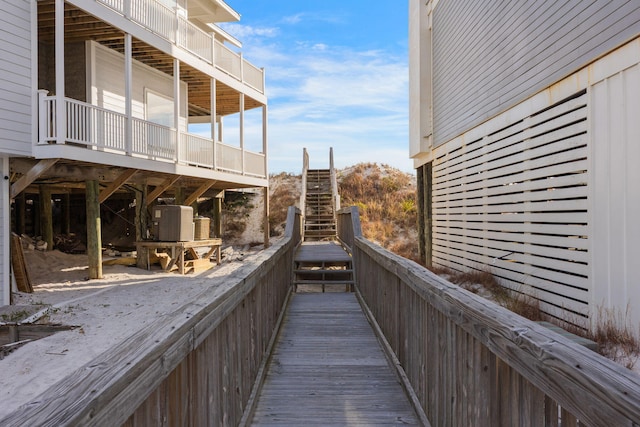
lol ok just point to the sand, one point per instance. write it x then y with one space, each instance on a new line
105 311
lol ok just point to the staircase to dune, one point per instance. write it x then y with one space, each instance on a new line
319 215
321 259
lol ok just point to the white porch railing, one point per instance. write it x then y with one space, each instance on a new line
154 16
106 130
255 163
229 158
152 140
163 21
195 40
196 150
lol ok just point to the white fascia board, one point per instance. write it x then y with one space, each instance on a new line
228 9
81 154
223 177
225 36
103 158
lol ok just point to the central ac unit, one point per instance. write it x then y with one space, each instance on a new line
173 223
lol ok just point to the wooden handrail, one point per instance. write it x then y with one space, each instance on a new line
473 362
305 168
335 195
162 371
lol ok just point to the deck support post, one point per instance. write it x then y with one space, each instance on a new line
19 211
425 213
141 223
217 215
265 224
94 239
178 196
46 216
65 220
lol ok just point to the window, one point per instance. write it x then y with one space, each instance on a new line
159 108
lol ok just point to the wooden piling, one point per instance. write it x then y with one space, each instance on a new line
265 223
94 239
46 216
216 212
141 223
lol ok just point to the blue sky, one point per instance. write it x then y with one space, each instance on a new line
336 75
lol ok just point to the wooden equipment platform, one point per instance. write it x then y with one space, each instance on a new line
177 251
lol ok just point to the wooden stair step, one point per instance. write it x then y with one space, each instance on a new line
324 282
325 271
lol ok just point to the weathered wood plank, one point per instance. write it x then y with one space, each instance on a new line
329 369
153 372
321 251
523 355
116 184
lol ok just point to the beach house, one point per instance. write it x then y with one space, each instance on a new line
148 98
525 137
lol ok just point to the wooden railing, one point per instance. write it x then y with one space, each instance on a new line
335 194
166 23
195 366
106 130
303 191
472 362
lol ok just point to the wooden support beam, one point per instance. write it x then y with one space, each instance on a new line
178 196
217 216
65 225
38 169
94 239
142 224
46 216
161 189
199 192
115 185
20 211
265 224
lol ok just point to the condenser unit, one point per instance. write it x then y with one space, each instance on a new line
173 223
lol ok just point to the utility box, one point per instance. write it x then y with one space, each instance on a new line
201 228
173 223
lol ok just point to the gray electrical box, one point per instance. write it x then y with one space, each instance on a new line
173 223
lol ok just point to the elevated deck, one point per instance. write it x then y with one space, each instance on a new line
328 369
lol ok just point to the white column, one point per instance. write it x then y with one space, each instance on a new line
61 117
176 106
128 92
213 122
265 144
242 130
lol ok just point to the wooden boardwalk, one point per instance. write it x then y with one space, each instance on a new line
327 251
328 369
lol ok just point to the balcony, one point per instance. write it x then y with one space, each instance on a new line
168 24
97 128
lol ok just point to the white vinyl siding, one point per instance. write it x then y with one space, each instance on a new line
615 104
15 77
106 71
516 200
488 56
546 195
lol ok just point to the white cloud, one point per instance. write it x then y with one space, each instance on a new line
322 96
293 19
246 32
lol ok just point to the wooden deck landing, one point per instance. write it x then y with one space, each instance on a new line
328 251
328 369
